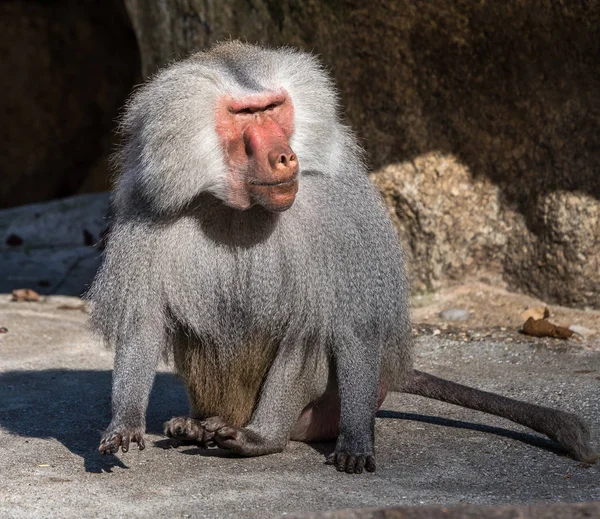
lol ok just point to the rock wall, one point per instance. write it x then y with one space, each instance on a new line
66 68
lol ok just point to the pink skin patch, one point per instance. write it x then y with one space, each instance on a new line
262 168
320 420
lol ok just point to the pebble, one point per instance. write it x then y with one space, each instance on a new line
454 314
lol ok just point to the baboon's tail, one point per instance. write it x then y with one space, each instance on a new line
567 429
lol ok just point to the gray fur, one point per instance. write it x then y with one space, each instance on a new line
323 280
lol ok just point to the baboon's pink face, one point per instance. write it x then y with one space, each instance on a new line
262 168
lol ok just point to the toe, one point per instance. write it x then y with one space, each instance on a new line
351 464
360 465
370 464
340 463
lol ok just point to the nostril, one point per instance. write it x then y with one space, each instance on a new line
286 160
282 158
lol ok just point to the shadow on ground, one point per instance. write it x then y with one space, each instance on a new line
74 407
527 438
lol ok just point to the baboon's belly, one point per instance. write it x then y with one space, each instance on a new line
229 386
225 385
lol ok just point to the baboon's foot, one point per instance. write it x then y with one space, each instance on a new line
352 463
240 440
354 453
121 437
189 429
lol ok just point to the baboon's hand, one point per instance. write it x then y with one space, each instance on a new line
352 463
120 438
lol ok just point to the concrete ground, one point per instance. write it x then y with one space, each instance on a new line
55 401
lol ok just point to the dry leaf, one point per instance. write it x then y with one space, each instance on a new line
537 312
82 307
543 328
25 294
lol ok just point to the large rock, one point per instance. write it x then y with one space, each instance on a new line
66 68
481 119
53 248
